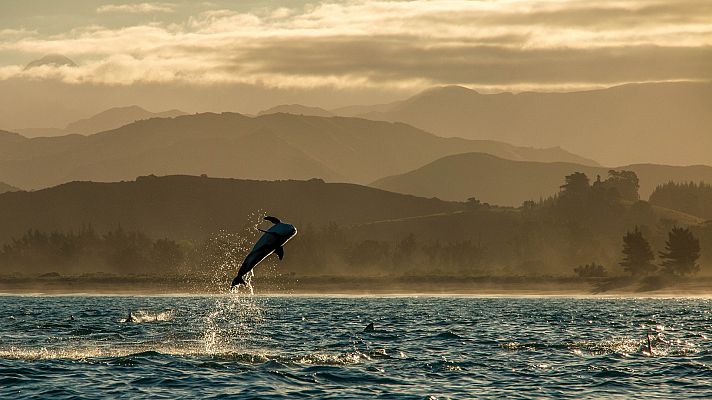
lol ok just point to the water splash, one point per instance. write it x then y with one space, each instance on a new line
229 326
142 316
221 255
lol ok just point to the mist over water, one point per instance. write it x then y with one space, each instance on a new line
295 347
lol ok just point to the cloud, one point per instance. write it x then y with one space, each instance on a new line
141 8
14 34
400 44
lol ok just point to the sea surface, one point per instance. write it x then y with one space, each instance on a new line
291 347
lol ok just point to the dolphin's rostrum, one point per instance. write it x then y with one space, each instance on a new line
271 242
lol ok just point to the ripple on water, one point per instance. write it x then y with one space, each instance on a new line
243 345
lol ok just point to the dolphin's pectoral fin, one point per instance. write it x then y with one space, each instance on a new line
279 251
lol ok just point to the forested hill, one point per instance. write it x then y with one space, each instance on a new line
193 207
507 182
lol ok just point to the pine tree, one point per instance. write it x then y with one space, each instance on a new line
637 255
682 250
576 185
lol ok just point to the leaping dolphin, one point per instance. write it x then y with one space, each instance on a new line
271 242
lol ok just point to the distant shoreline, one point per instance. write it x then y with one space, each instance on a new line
352 286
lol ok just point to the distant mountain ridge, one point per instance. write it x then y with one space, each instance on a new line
111 118
664 123
6 137
56 60
4 187
273 146
297 109
116 117
506 182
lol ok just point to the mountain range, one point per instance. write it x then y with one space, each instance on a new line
506 182
664 123
298 109
116 117
272 146
4 188
643 121
106 120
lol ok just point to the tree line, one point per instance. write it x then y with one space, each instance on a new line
616 198
585 221
119 251
692 198
324 250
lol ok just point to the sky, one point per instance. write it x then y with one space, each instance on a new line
249 55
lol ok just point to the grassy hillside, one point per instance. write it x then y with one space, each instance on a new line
194 207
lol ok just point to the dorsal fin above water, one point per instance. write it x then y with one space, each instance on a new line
272 219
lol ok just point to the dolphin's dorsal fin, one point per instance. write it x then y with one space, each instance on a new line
279 251
273 220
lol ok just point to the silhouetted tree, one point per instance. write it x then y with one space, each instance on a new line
166 254
576 185
592 270
574 198
624 183
682 250
404 251
127 251
473 203
637 255
528 205
463 256
368 252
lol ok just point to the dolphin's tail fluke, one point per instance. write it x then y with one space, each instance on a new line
238 281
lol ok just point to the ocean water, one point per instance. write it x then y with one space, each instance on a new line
290 347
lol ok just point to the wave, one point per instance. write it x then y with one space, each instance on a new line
448 335
617 346
131 355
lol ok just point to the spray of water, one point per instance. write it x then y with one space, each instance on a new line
141 316
229 325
